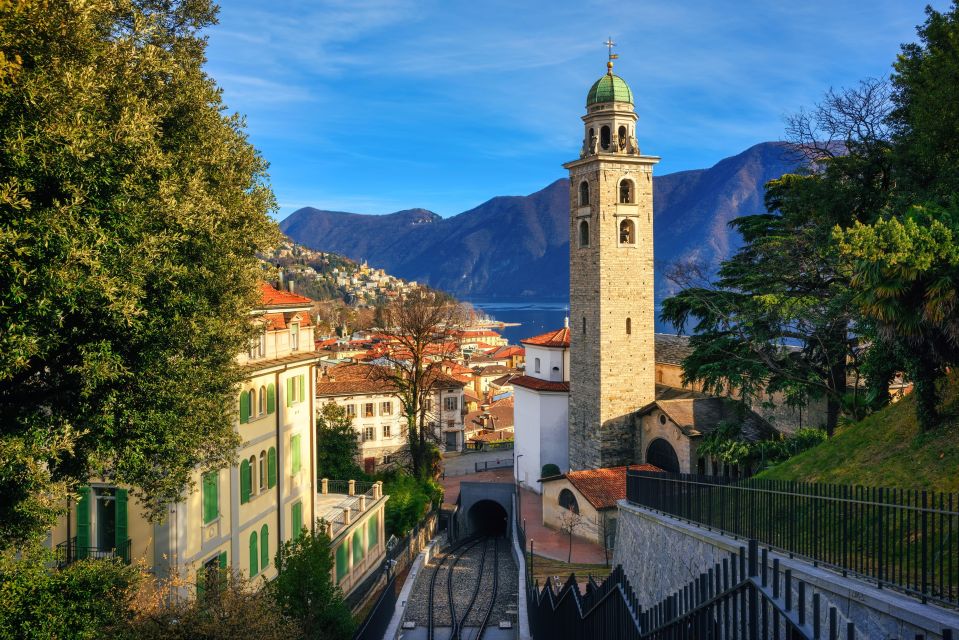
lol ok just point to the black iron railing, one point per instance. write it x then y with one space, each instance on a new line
68 552
743 597
905 539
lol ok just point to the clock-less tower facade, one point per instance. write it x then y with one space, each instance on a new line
612 312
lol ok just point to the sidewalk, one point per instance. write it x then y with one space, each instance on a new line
550 543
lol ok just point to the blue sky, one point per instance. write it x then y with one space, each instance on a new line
374 106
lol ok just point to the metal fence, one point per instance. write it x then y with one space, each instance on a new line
499 463
897 538
741 598
69 552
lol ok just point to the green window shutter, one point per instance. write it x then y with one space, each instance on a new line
120 504
357 547
83 522
373 532
244 407
211 497
200 582
289 392
271 468
223 559
264 547
245 479
254 555
342 561
302 395
295 453
296 517
271 398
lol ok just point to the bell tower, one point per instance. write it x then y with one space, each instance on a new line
612 314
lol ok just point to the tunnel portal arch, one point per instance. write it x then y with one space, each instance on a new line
484 508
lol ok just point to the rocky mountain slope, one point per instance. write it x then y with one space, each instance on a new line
517 246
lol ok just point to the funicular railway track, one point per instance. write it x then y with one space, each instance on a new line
456 586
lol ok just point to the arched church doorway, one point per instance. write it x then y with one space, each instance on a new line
661 454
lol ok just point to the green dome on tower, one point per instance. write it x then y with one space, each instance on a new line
609 88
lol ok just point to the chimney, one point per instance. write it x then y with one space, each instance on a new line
566 322
279 284
290 285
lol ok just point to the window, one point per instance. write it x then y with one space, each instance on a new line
428 404
386 431
271 398
584 325
621 138
369 410
261 344
604 137
253 484
296 518
261 407
629 326
264 547
536 368
261 470
350 410
211 497
451 403
568 501
252 402
627 232
369 433
254 555
295 462
246 481
271 467
450 424
386 408
295 336
626 192
295 389
244 407
583 233
583 193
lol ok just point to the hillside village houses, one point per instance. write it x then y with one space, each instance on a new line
240 515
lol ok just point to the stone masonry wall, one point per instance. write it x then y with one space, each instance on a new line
661 554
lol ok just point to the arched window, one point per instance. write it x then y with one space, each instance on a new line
537 365
254 555
252 401
253 484
568 501
661 454
262 406
622 138
627 232
626 192
264 547
261 470
583 233
604 137
583 193
629 326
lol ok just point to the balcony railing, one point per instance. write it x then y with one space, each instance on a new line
68 552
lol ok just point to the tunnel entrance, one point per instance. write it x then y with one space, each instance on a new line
487 518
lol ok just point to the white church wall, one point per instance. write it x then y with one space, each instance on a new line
551 364
554 432
526 437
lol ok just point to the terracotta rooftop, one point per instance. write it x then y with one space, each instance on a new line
493 370
558 338
270 296
602 487
363 379
538 384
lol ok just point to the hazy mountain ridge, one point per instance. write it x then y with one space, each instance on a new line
518 246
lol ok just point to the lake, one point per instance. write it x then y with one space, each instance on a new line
534 316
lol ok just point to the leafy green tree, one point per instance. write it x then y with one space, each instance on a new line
409 501
304 587
337 446
87 599
906 274
131 210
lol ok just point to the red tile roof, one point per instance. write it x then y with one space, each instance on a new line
538 384
558 338
602 487
271 296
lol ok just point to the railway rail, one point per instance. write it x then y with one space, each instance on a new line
450 560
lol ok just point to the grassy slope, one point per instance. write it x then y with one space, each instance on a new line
887 450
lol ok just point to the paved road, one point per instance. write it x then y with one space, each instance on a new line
466 463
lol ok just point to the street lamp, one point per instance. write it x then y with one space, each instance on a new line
519 495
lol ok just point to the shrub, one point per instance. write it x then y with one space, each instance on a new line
550 470
409 500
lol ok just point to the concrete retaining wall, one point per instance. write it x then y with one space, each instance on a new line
661 554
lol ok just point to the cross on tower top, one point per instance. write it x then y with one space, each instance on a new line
612 56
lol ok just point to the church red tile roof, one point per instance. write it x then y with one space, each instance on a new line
558 338
602 487
538 384
270 296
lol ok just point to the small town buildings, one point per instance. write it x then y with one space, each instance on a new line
541 403
491 422
238 516
354 515
370 401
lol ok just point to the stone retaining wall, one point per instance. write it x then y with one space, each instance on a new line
660 554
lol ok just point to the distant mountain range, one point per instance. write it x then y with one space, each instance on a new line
518 246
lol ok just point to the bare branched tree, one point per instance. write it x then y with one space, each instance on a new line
569 522
419 329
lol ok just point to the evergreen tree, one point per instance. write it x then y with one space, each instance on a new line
131 210
337 446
